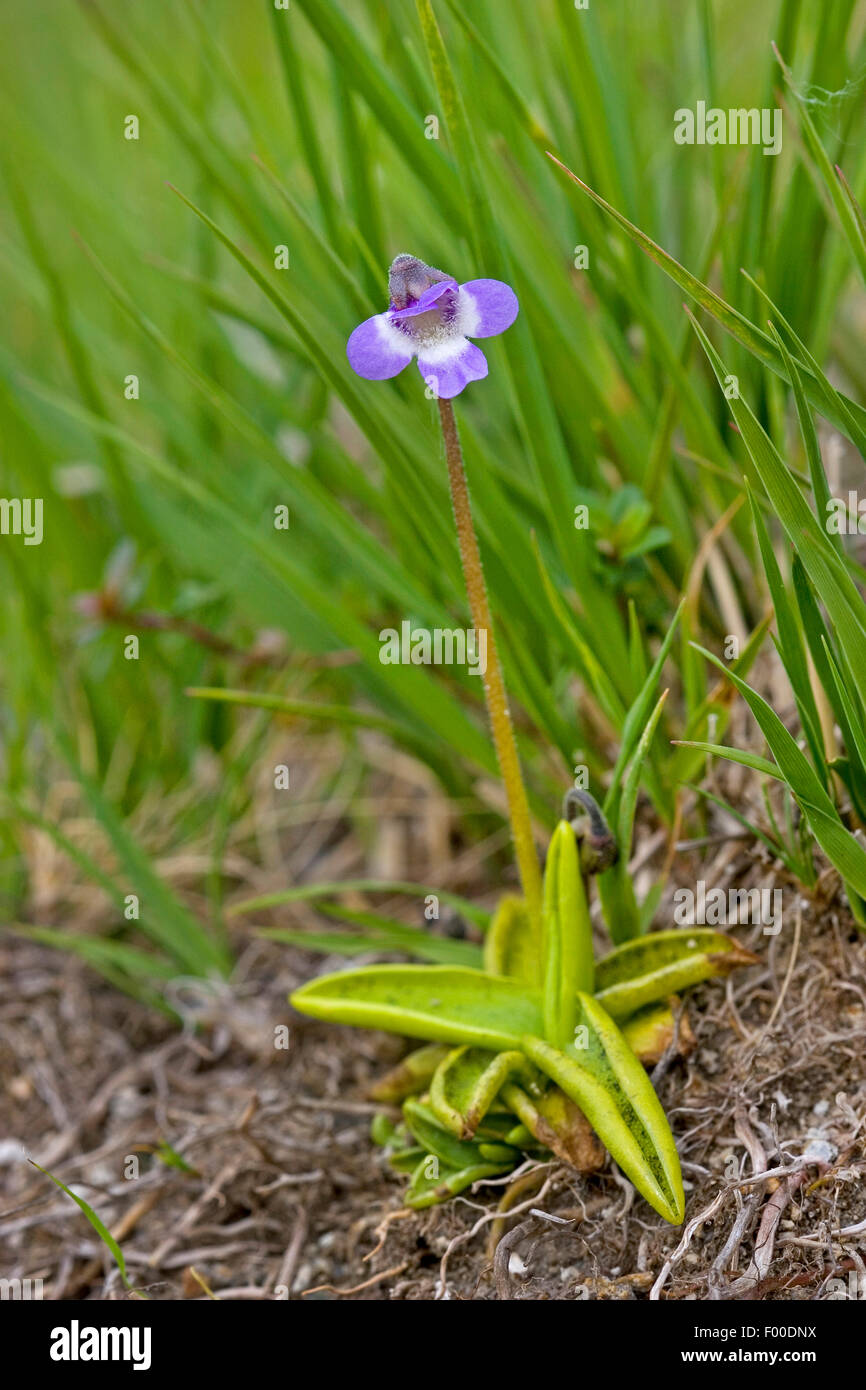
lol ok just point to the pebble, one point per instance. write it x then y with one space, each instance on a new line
821 1151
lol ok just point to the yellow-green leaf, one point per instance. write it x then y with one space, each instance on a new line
568 965
650 1032
434 1181
510 947
438 1003
411 1076
603 1076
430 1134
468 1081
656 966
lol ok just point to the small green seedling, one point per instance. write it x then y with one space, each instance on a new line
540 1051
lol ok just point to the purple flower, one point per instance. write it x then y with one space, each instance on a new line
433 318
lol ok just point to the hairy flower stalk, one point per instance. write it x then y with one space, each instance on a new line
494 684
431 317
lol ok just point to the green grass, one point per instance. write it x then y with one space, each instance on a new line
155 258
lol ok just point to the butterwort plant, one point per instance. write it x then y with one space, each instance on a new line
539 1050
542 1049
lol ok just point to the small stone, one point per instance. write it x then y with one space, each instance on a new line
821 1151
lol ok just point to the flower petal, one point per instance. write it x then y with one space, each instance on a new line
377 350
488 307
424 301
452 366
